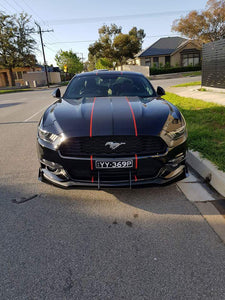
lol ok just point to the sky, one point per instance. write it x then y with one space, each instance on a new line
76 23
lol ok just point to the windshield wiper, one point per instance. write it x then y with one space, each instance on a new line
145 96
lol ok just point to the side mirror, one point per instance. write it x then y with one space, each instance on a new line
160 91
56 93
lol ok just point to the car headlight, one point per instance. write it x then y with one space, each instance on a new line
177 134
52 138
174 131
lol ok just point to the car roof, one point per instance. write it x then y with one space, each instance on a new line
107 72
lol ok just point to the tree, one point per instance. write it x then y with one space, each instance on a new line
103 47
115 45
91 62
70 60
206 26
104 63
127 45
16 42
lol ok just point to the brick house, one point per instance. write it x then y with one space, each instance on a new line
17 73
172 51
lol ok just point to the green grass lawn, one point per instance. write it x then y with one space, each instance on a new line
14 91
188 84
206 127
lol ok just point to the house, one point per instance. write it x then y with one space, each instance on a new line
27 75
17 73
170 51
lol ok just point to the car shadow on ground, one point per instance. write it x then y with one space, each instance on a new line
10 104
166 200
159 200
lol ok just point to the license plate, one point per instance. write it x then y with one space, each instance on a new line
119 164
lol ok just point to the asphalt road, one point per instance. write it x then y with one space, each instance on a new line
145 243
165 83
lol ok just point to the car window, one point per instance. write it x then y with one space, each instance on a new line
105 85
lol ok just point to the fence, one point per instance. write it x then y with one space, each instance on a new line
213 64
134 68
35 79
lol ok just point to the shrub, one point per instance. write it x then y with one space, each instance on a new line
167 70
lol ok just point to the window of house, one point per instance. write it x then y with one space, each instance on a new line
19 75
24 72
167 61
156 62
14 75
148 62
190 59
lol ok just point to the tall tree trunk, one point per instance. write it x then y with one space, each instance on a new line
121 65
12 79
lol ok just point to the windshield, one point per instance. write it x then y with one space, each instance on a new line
106 85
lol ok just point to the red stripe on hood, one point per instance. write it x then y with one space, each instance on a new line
91 119
136 161
134 120
91 158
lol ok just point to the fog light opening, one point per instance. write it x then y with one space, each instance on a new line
175 172
176 161
51 169
55 169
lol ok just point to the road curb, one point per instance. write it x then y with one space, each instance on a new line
207 170
213 217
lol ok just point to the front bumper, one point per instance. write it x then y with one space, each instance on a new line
46 176
157 170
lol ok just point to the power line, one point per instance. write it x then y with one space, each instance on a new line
10 5
111 18
15 9
153 36
31 9
91 41
50 49
18 5
43 21
70 42
4 7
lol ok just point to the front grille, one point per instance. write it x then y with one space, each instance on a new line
96 146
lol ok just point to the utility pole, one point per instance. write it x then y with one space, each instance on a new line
43 50
82 56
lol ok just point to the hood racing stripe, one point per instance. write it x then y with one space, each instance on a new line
136 161
91 119
133 116
91 158
135 128
136 133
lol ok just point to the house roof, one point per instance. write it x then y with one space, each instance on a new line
164 46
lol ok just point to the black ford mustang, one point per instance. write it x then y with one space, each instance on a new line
111 129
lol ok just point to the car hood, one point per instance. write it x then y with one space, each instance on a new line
109 116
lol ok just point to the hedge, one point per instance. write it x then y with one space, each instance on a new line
156 71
